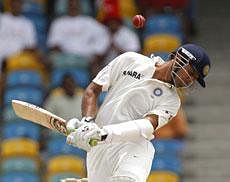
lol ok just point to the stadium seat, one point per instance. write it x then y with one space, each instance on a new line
27 94
172 147
32 7
173 4
165 23
101 97
24 78
58 146
19 147
167 163
68 60
86 8
57 177
20 177
23 61
163 55
40 23
9 114
163 176
20 164
54 134
80 75
66 163
21 129
61 7
161 43
26 60
127 8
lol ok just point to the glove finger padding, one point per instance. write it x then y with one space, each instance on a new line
73 124
81 137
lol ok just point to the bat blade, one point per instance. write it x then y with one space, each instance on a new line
39 115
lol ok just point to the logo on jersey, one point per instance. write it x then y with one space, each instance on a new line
157 92
133 74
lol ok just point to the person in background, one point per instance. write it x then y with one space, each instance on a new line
122 37
17 33
79 34
65 101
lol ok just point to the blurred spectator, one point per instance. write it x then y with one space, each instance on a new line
78 34
66 100
17 33
122 38
177 128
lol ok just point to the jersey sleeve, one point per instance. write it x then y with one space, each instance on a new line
166 110
110 73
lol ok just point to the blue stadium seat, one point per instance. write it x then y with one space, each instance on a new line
9 114
24 77
19 164
58 146
20 177
163 55
61 7
167 163
21 129
28 94
35 12
81 76
172 147
39 22
32 7
164 23
101 97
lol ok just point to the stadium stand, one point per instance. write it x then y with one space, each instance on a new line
23 157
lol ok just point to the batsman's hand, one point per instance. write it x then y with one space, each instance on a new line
82 136
73 124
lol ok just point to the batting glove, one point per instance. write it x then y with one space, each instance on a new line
73 124
82 136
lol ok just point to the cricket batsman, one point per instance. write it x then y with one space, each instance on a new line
141 98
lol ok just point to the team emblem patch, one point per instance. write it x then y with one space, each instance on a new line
157 92
205 70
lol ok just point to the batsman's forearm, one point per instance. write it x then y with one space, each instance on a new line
89 101
89 105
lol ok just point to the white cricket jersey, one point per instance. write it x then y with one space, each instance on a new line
133 93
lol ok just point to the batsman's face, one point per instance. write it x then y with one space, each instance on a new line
183 73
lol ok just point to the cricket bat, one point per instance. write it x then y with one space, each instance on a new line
43 117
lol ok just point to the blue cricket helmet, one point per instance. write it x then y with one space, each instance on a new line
198 59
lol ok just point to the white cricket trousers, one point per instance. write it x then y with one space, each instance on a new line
120 162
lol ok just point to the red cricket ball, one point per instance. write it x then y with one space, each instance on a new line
138 21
